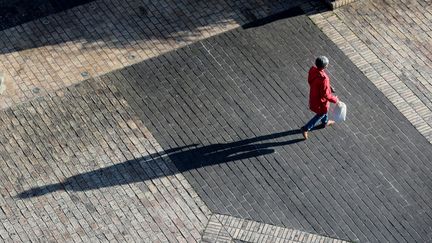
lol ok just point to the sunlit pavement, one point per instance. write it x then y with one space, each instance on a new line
199 140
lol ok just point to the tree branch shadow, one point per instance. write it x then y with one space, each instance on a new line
176 21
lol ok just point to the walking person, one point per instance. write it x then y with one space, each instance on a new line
320 95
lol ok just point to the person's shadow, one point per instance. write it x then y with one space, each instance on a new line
185 158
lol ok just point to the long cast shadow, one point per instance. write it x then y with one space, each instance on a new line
185 158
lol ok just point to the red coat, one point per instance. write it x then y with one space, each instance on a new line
320 92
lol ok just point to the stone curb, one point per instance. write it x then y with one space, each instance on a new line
334 4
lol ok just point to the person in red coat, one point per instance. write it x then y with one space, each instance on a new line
320 95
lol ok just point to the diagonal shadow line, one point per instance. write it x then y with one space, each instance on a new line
289 13
184 158
175 20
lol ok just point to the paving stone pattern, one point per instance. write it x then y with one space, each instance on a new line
223 228
16 12
390 41
238 99
333 4
216 232
89 40
79 166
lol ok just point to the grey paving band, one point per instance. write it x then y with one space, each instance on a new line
237 101
398 68
79 166
150 152
92 39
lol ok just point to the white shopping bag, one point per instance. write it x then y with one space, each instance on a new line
338 112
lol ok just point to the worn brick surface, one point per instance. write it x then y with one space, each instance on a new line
390 42
16 12
79 166
68 47
334 4
240 98
216 232
223 228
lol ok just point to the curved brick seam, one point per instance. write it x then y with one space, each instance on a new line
375 70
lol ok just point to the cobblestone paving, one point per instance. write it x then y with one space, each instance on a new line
95 38
16 12
223 228
391 42
79 166
239 99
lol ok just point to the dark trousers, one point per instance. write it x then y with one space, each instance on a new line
318 117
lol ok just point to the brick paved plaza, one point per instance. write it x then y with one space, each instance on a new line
178 121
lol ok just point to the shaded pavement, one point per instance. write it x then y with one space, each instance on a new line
367 179
99 161
186 158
